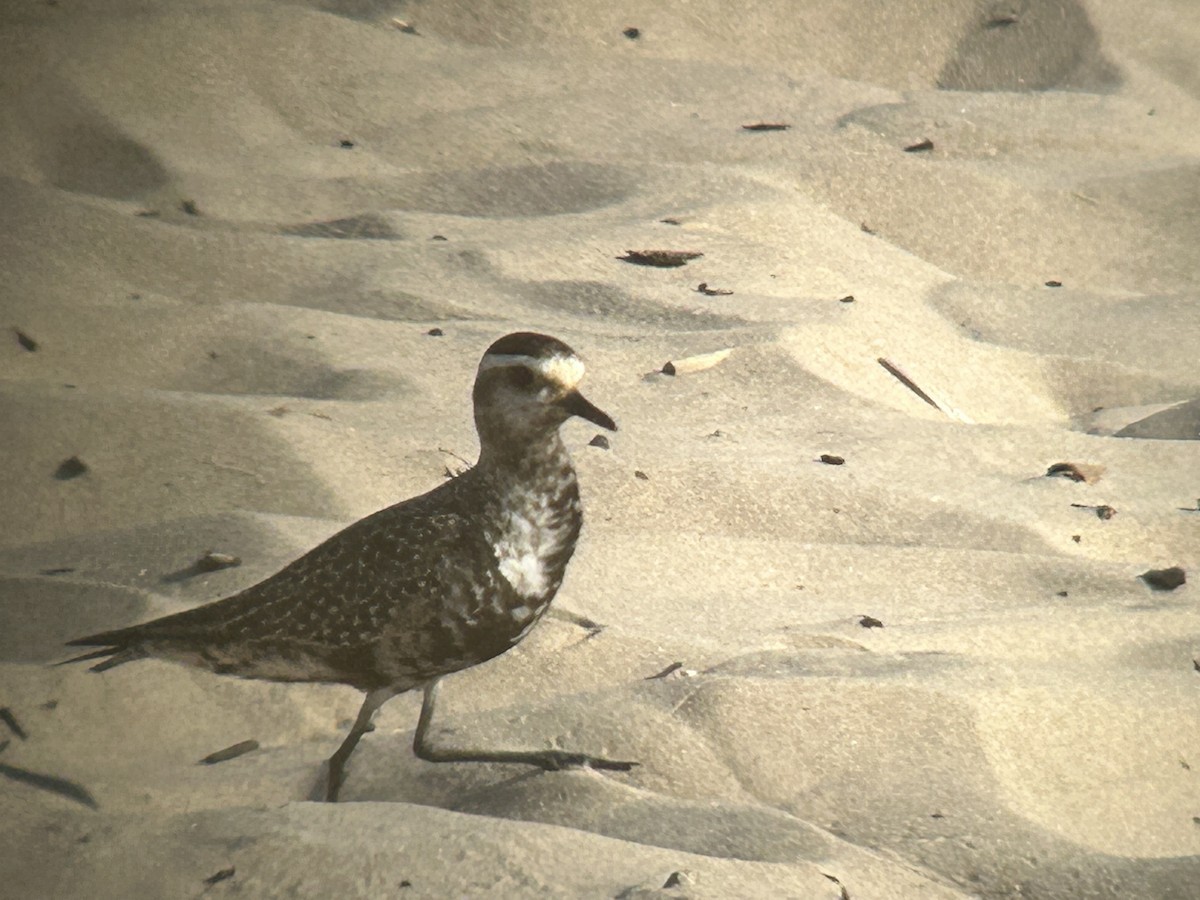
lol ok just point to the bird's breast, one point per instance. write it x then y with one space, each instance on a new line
532 547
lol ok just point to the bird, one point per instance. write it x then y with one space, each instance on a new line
419 590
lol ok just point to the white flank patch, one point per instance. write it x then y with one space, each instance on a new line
524 545
564 370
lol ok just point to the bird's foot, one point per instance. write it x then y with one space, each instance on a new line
554 760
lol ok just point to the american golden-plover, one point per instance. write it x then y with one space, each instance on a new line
416 591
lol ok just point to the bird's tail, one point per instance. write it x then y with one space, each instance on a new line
111 656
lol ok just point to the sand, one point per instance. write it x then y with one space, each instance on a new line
228 231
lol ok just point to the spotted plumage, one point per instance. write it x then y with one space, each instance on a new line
416 591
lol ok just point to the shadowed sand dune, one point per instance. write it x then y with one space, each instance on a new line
860 641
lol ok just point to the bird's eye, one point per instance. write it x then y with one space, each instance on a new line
520 377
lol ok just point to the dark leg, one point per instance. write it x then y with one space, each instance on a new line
546 759
337 762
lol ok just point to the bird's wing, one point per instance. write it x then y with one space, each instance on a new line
348 581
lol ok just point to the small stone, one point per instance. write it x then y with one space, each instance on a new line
435 332
214 562
599 441
682 878
632 33
70 468
1164 579
830 460
869 622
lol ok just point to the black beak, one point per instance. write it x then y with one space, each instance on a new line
578 405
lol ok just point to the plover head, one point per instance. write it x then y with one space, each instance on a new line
528 385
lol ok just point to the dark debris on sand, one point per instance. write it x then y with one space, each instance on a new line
662 259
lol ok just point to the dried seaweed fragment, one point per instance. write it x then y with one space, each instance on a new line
662 259
1089 473
241 748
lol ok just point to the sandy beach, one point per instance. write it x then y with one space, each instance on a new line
861 643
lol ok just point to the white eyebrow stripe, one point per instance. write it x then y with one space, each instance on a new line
565 370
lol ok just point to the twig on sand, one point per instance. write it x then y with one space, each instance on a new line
673 667
241 748
896 372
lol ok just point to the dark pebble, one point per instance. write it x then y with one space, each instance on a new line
1164 579
70 468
